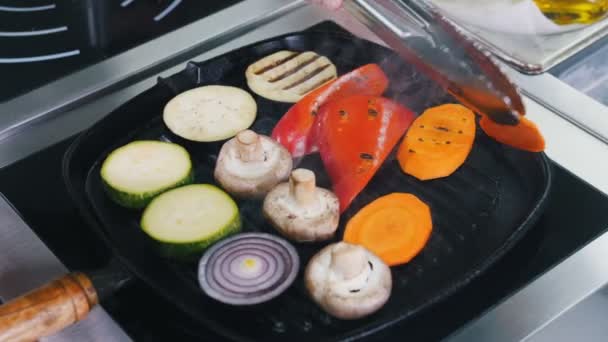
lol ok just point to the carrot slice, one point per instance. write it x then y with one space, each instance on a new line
438 142
524 136
395 227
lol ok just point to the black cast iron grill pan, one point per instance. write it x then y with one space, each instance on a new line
478 213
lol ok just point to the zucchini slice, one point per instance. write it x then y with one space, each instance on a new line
187 220
210 113
137 172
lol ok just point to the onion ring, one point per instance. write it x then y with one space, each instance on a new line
248 268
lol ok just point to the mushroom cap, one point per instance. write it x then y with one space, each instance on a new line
315 222
347 297
252 179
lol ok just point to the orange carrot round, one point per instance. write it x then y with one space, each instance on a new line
395 227
438 142
524 136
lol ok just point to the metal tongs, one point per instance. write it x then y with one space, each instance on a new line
424 37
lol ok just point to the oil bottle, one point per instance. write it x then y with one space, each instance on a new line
565 12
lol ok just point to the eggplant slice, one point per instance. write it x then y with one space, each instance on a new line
286 76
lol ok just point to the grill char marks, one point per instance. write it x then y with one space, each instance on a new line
287 76
307 77
316 85
277 63
294 70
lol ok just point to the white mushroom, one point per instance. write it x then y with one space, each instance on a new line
249 165
300 210
348 281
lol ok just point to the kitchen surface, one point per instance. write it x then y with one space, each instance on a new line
81 60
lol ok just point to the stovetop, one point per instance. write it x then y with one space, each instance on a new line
574 216
43 40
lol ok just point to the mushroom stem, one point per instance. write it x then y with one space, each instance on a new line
249 146
349 260
302 186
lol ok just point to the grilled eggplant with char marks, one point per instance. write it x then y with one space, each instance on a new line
286 76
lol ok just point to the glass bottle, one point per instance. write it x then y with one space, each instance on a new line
565 12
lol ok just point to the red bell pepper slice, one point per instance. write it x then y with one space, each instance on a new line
355 136
293 130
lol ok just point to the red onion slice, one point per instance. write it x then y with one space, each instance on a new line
248 268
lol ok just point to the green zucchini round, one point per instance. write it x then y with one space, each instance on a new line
185 221
137 172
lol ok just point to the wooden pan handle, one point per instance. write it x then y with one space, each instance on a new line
48 309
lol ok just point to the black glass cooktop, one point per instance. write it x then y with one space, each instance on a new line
43 40
570 221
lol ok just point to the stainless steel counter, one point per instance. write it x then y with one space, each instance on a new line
69 105
26 263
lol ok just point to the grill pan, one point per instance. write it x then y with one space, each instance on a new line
478 213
